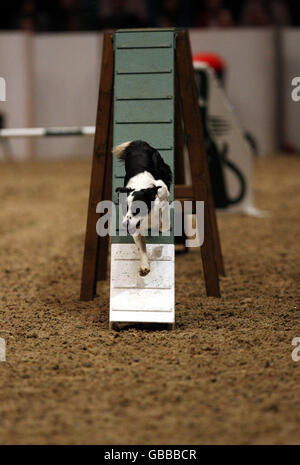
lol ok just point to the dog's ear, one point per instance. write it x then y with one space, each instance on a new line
124 190
151 192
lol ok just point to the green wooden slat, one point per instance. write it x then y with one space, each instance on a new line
144 101
146 39
157 135
147 60
142 30
144 86
127 111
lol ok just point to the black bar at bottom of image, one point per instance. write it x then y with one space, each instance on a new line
142 454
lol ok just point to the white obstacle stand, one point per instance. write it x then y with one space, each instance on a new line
232 135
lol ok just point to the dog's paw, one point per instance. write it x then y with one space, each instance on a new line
144 270
164 227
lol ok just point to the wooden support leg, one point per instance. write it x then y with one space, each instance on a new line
179 168
179 140
212 211
199 168
103 242
89 274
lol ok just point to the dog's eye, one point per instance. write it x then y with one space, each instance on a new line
136 212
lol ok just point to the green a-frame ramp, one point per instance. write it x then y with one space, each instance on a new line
143 109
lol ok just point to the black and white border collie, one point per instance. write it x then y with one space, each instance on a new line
147 184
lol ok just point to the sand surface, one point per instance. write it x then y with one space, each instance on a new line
225 375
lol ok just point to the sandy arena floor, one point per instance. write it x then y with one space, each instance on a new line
225 375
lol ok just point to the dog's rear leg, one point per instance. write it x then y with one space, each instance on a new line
141 245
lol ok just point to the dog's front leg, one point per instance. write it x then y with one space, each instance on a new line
141 245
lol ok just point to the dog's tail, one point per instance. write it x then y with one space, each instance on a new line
119 150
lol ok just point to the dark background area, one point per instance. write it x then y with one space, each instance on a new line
89 15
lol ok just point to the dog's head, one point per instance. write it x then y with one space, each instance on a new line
136 205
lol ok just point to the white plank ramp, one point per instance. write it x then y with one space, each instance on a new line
134 298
